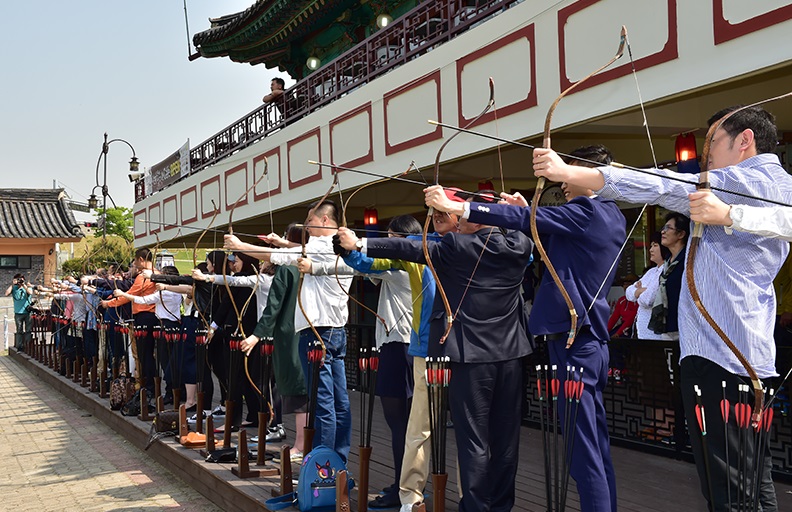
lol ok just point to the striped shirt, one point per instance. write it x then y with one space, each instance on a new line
734 272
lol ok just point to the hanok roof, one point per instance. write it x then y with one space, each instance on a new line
268 30
36 213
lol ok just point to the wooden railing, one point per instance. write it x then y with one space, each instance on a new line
412 35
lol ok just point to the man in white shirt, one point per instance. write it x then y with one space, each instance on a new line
325 304
770 221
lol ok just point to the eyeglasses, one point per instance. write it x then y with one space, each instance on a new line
668 228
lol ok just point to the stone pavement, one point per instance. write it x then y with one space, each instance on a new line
57 457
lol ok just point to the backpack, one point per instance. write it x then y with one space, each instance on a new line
122 390
316 486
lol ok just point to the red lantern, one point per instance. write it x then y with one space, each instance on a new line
685 147
370 217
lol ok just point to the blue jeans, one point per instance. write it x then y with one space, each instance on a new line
333 416
22 334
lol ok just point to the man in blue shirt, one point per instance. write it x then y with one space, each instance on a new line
21 293
734 273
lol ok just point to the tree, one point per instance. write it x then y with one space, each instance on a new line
91 254
118 221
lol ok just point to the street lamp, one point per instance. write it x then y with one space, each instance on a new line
92 200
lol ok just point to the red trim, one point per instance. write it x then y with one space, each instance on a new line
314 177
206 215
723 30
226 174
529 101
423 139
275 191
669 52
155 228
166 227
369 157
185 192
145 226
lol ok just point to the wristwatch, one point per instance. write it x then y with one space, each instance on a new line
359 245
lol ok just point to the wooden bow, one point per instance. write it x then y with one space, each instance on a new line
429 214
695 240
540 188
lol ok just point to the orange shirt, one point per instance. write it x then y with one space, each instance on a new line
140 287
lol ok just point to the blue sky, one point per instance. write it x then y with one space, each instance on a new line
74 70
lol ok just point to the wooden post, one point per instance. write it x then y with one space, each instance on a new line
84 373
229 418
199 401
210 438
160 403
439 481
93 376
365 459
144 413
103 382
342 491
261 452
419 507
308 434
176 397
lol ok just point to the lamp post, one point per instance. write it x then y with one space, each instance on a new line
92 200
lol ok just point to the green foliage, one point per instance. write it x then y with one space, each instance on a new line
118 221
94 253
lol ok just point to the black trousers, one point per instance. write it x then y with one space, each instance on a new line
709 377
145 322
485 407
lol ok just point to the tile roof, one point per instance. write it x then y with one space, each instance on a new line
36 213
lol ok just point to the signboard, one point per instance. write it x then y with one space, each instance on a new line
172 169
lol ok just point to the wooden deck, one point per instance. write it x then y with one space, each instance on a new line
645 482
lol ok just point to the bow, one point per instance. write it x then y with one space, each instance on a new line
429 214
540 187
344 206
304 254
195 262
241 312
695 240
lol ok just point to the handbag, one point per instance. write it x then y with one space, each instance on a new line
165 424
122 390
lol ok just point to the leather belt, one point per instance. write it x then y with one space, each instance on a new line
556 336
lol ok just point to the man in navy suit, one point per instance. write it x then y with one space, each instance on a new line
481 269
583 239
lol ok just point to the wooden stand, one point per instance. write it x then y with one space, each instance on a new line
185 438
286 484
439 481
158 391
176 397
160 403
51 362
199 401
365 459
419 507
228 425
209 447
342 491
242 470
144 414
75 371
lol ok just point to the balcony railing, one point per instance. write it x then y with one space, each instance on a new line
412 35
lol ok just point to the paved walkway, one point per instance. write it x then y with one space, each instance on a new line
57 457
